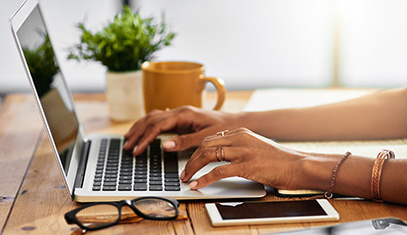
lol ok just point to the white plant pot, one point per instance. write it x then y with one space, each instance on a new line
124 93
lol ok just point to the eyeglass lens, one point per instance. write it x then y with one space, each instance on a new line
98 215
155 208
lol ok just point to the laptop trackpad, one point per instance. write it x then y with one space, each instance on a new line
227 187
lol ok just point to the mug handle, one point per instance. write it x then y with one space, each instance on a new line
220 88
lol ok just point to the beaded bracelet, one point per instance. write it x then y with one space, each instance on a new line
328 194
377 173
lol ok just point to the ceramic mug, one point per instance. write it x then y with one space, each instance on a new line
171 84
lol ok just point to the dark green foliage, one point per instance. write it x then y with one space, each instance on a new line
42 65
124 44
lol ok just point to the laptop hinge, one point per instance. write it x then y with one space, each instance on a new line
80 175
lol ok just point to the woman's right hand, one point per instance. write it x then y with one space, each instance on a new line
191 124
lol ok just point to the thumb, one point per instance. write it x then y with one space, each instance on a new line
183 142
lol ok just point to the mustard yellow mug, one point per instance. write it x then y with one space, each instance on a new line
172 84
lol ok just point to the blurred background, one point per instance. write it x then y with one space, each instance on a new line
249 43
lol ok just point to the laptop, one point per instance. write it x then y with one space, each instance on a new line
94 167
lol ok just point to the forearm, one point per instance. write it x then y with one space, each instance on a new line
376 116
354 176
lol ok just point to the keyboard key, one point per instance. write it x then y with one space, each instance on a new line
124 181
109 188
111 176
96 188
172 188
155 183
109 184
156 188
112 168
171 175
170 162
171 180
140 180
110 180
171 183
140 187
155 174
125 177
140 176
126 169
156 179
124 187
126 173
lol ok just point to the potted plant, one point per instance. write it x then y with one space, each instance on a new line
122 46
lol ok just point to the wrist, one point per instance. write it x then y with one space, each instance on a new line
243 119
316 170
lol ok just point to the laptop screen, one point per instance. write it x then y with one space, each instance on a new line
49 84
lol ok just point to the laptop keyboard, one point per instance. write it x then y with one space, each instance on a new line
119 170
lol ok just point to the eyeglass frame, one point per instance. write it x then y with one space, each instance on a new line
70 216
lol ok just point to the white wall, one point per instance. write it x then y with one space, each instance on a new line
249 43
374 42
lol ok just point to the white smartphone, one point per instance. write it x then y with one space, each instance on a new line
262 212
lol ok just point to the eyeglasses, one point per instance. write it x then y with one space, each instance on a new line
101 215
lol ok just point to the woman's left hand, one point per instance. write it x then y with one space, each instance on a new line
251 156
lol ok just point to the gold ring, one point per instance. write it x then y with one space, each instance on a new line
222 133
220 156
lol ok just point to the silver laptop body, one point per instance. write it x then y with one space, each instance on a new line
80 157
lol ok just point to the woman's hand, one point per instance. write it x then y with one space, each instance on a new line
251 156
192 124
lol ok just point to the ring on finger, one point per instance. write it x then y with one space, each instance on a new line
220 154
222 133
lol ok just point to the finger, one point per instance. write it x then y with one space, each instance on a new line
204 154
227 134
138 129
220 153
183 142
215 175
137 126
153 130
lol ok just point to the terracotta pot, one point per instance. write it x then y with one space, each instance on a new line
124 93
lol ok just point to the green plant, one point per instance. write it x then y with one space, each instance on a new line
42 65
124 44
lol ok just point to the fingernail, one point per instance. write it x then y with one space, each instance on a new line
182 175
126 145
135 149
169 144
193 184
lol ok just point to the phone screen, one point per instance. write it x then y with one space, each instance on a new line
251 210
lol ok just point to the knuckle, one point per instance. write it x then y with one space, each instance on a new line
187 110
152 114
154 126
219 171
206 153
204 180
243 129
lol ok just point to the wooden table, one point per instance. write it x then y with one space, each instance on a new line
34 200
